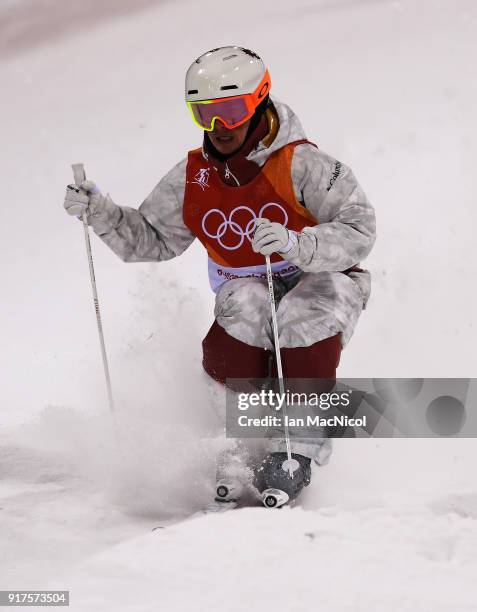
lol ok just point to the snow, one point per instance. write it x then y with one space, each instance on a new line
293 561
387 87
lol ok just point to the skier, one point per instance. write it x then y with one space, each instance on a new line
256 187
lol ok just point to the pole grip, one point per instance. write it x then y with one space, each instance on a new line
78 173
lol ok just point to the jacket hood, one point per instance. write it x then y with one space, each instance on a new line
289 130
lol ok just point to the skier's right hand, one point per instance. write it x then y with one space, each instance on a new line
101 212
77 198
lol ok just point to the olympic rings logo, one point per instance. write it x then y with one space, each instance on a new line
235 227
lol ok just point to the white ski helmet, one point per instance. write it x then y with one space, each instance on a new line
226 72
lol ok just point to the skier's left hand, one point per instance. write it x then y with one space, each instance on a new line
271 237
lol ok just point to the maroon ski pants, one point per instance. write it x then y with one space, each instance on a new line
226 357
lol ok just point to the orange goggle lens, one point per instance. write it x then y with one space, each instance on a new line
232 111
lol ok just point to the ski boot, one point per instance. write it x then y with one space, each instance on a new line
273 481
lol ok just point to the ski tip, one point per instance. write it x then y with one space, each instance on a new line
227 490
274 498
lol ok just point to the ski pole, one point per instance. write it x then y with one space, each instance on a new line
79 177
290 464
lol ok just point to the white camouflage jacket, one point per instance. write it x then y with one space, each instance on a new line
344 236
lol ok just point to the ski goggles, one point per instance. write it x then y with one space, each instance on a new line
232 111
